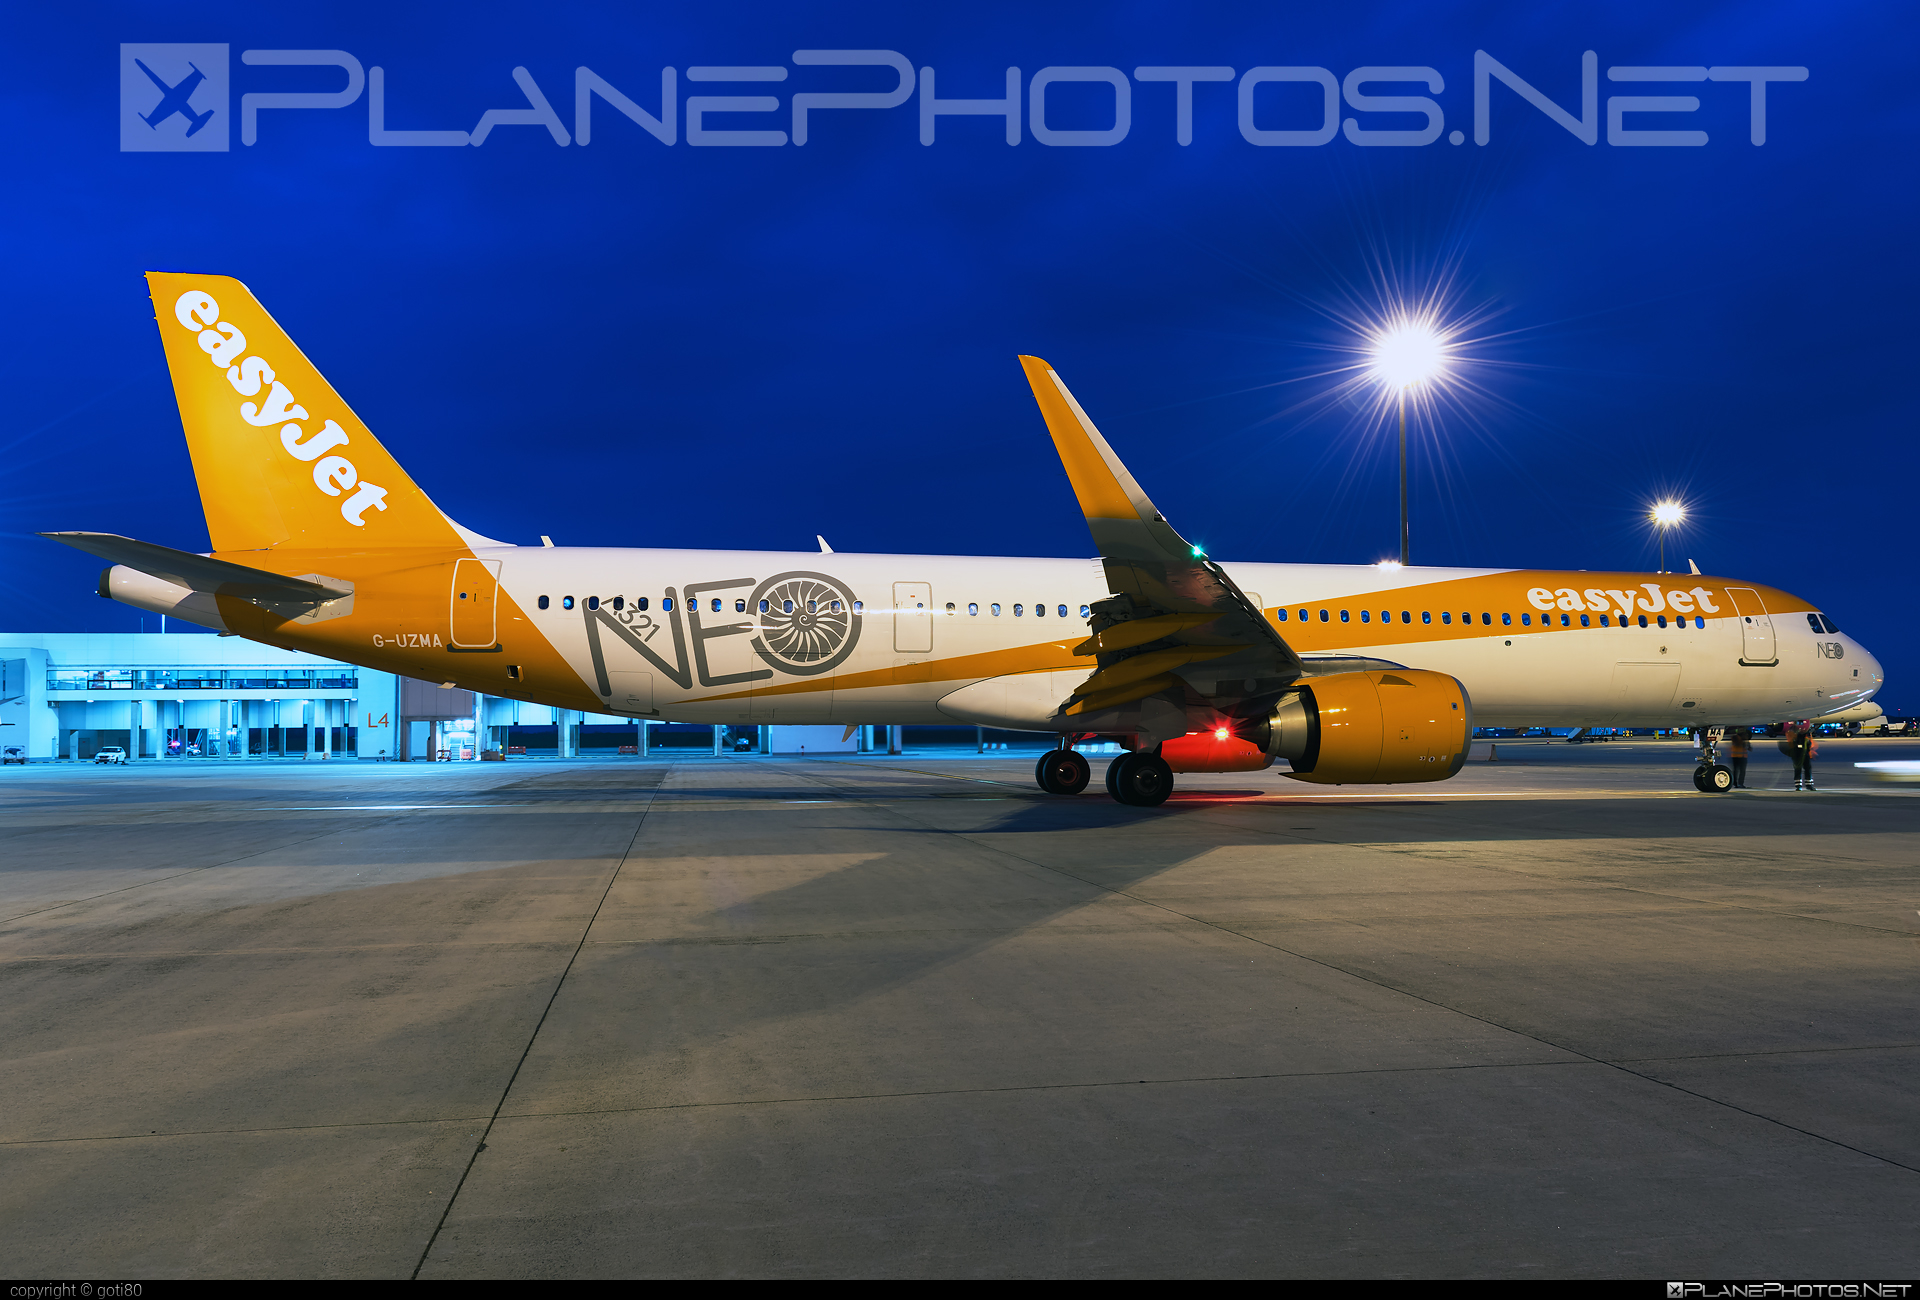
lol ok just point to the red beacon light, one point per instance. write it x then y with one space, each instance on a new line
1218 750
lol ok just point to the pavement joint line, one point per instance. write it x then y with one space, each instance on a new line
1442 1006
1271 1075
665 774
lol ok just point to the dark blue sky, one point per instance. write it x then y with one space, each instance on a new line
634 344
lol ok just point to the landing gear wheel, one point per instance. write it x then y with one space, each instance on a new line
1700 781
1719 778
1062 771
1141 780
1113 777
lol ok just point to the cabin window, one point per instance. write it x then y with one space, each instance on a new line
593 602
1366 615
1604 620
973 610
1018 611
1279 615
1526 620
619 602
1343 616
1386 616
764 607
666 603
1039 611
1506 620
566 602
859 606
1061 612
812 607
950 609
740 606
1406 616
1662 620
1699 622
1446 616
1586 620
786 607
715 606
1303 616
1086 612
1426 616
1486 619
995 607
543 602
1324 618
1643 620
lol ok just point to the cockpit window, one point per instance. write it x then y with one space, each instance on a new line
1832 629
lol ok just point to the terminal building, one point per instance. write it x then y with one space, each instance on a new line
68 695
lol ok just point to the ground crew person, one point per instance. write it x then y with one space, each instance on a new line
1739 745
1799 747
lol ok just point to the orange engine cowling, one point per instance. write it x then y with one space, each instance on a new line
1219 750
1374 727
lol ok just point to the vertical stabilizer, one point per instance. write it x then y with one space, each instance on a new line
280 459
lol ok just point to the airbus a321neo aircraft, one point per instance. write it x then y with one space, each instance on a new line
1351 674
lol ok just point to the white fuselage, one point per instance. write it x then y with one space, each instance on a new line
917 631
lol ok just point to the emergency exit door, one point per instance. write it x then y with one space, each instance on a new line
913 617
1756 628
476 587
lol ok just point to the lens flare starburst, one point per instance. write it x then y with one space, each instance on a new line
1407 352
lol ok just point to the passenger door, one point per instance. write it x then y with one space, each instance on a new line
1756 628
476 585
913 617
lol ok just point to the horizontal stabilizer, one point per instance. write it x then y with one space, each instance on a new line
200 572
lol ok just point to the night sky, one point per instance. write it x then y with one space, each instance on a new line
639 345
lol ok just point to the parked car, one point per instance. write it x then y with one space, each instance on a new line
14 754
110 754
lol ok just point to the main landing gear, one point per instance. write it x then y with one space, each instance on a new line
1062 771
1712 776
1142 780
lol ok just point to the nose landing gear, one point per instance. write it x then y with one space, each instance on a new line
1712 776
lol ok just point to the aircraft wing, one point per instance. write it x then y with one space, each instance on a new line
1178 647
200 572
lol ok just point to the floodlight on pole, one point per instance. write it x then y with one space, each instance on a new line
1666 515
1406 354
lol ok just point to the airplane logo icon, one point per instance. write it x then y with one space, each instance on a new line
173 98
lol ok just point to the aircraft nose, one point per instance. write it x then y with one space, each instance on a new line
1871 676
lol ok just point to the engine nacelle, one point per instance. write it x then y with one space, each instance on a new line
1373 727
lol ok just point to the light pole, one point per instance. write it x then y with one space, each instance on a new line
1405 354
1665 516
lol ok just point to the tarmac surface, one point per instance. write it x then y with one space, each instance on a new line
1560 1016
